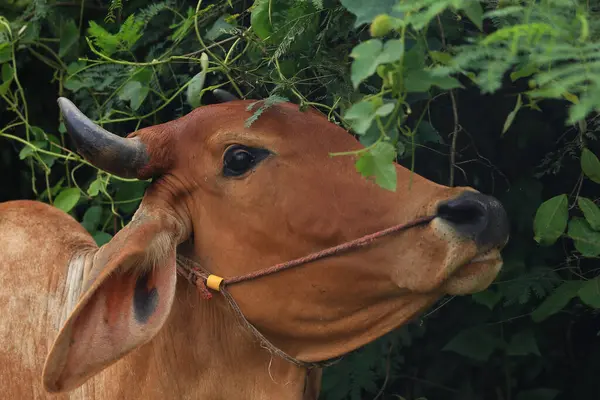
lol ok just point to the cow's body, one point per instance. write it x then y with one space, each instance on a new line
184 361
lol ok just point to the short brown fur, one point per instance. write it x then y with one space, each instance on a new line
297 201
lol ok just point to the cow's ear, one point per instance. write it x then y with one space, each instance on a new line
126 299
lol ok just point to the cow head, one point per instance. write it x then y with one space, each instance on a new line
250 197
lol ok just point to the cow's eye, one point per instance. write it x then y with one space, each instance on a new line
238 159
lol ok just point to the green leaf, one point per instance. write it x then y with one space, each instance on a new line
551 220
393 50
67 199
91 218
475 343
370 54
5 52
571 97
420 14
69 35
385 109
590 293
440 57
129 194
75 66
371 136
538 394
378 163
8 72
552 304
474 12
591 212
522 344
587 104
107 42
129 33
30 32
426 133
511 116
259 19
365 60
135 93
526 71
101 238
96 186
366 11
400 148
39 134
445 82
269 102
143 75
219 28
360 116
590 165
27 151
196 86
53 190
7 76
73 83
285 22
47 159
414 59
420 80
585 239
180 29
317 3
488 298
54 143
417 81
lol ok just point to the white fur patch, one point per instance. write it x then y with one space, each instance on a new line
72 288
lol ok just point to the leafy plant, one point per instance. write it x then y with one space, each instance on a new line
502 96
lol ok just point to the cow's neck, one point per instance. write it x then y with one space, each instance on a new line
214 357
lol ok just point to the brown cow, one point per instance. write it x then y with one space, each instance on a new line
83 322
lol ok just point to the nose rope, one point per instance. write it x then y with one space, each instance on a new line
194 273
216 282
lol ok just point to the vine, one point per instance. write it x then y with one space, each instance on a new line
400 76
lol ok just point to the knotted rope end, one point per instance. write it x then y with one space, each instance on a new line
205 294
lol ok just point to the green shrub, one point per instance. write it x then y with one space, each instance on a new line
499 95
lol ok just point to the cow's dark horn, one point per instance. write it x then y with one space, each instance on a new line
119 156
224 96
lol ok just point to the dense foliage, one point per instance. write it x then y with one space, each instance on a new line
500 95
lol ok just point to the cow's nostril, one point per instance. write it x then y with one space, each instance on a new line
478 217
463 212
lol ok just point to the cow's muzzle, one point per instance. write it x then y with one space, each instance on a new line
478 217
